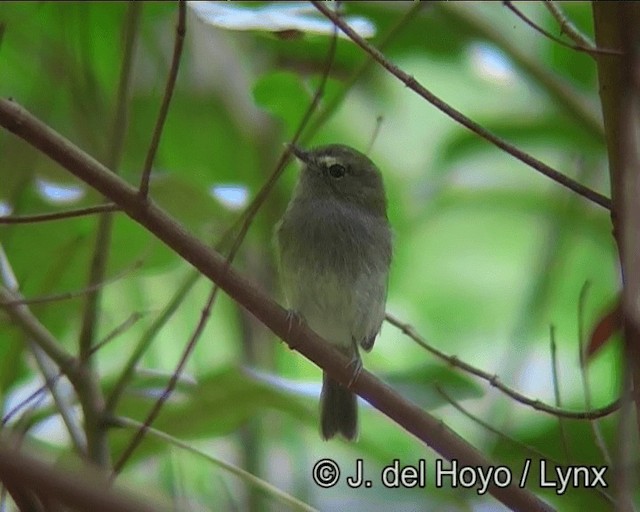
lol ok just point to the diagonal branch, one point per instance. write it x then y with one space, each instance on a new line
412 418
44 217
166 100
458 116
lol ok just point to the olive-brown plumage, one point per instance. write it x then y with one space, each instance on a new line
334 244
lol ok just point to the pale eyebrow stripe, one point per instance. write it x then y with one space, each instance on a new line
327 160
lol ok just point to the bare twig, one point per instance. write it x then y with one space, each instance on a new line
248 217
412 418
98 449
173 381
492 429
54 378
590 50
564 95
145 341
494 380
556 392
129 322
43 217
582 341
261 196
328 108
166 100
83 380
22 316
616 25
513 440
84 490
252 480
566 26
70 295
375 133
458 116
47 369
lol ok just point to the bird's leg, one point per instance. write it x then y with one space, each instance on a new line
293 316
356 363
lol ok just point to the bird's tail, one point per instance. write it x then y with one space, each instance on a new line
338 410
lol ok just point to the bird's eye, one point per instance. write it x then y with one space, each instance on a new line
337 171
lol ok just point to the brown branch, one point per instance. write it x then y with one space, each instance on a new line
166 100
566 26
494 380
332 104
248 217
69 295
458 116
564 95
43 217
21 315
589 50
84 381
97 446
54 378
616 26
556 392
171 385
412 418
532 450
146 339
80 490
46 366
582 356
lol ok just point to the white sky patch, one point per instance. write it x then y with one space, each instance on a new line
275 17
490 63
232 196
5 208
57 193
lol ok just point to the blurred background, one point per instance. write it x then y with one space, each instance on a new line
490 256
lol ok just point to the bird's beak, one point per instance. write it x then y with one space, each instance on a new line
299 153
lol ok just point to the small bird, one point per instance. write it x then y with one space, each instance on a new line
335 246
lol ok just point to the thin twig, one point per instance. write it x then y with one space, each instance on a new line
494 380
565 96
146 339
330 107
582 341
98 449
556 392
46 367
173 381
70 295
375 133
248 478
458 116
83 380
566 26
166 100
513 440
490 428
43 217
433 432
54 379
248 217
251 210
63 405
72 490
592 51
21 315
129 322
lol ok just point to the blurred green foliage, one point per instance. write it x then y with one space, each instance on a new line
488 253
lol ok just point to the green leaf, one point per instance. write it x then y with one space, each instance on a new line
283 95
